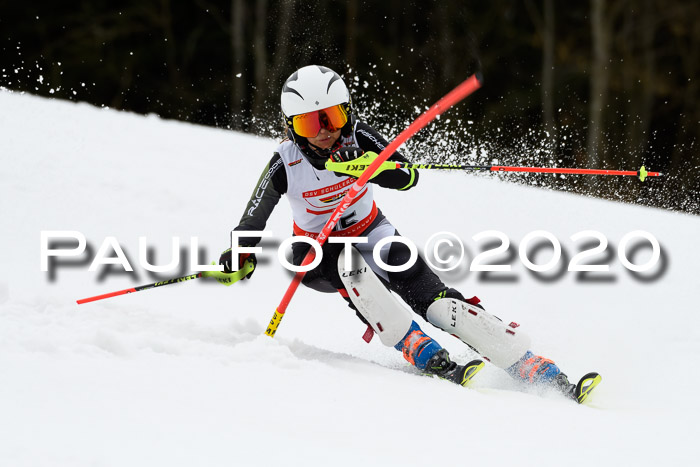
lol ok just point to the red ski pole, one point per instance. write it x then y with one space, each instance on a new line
642 173
230 278
139 288
467 87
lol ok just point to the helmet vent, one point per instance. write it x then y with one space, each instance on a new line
286 88
334 78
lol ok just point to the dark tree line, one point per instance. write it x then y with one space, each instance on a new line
601 84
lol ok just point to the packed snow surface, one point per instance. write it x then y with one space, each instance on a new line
182 375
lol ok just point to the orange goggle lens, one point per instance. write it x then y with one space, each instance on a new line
309 124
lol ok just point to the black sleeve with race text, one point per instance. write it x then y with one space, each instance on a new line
370 140
267 193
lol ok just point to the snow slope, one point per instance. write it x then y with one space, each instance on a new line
182 375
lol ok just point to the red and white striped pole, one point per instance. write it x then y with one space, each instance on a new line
467 87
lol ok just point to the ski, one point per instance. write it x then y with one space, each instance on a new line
580 391
586 385
470 370
461 374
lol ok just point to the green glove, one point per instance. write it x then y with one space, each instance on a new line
354 167
230 278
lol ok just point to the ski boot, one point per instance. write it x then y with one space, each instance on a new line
427 355
533 369
441 366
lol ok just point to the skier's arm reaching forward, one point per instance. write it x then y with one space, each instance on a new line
266 194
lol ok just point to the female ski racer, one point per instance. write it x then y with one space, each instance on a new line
320 126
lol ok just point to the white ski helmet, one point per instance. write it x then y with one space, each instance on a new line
310 89
313 88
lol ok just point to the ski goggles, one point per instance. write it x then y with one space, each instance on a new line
309 124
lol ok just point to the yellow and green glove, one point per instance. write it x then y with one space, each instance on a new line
353 161
246 266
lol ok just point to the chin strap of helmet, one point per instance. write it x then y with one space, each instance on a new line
315 155
349 126
326 153
318 156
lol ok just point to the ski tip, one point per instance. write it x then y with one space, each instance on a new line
471 369
479 77
586 385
